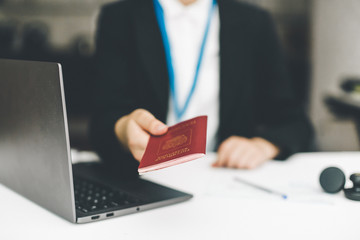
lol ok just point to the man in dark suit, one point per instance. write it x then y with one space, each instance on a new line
258 118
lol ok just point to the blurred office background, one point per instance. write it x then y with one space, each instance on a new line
320 38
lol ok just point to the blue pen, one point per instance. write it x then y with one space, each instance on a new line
237 179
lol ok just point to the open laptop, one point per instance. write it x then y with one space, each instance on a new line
35 158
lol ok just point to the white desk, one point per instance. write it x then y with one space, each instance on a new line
221 208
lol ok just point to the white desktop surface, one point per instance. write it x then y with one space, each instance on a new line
220 209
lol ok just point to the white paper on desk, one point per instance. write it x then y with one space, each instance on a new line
297 192
306 194
219 187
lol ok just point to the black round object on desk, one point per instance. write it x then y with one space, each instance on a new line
354 192
332 180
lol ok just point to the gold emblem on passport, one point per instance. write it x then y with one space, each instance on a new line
177 140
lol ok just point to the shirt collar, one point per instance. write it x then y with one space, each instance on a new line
174 8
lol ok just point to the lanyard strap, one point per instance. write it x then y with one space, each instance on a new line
179 112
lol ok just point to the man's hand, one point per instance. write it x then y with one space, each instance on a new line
240 152
133 131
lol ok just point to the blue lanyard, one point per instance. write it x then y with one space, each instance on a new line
179 112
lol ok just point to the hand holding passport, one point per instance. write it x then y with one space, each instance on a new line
183 142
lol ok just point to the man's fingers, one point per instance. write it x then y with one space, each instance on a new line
133 131
148 122
224 151
220 156
137 137
239 152
236 158
246 159
138 153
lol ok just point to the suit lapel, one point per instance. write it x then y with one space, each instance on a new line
234 59
151 51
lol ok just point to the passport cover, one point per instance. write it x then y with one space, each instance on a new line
183 142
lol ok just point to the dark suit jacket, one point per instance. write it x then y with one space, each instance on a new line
256 96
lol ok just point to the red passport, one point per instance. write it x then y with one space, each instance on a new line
183 142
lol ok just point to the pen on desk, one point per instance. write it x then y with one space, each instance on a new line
237 179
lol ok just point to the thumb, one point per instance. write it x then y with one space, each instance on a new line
149 123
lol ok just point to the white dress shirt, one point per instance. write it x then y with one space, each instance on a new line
185 26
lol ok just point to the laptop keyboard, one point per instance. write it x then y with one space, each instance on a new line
92 197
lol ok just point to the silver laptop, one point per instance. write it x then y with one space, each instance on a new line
35 158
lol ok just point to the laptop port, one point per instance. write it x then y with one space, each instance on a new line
109 214
95 217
